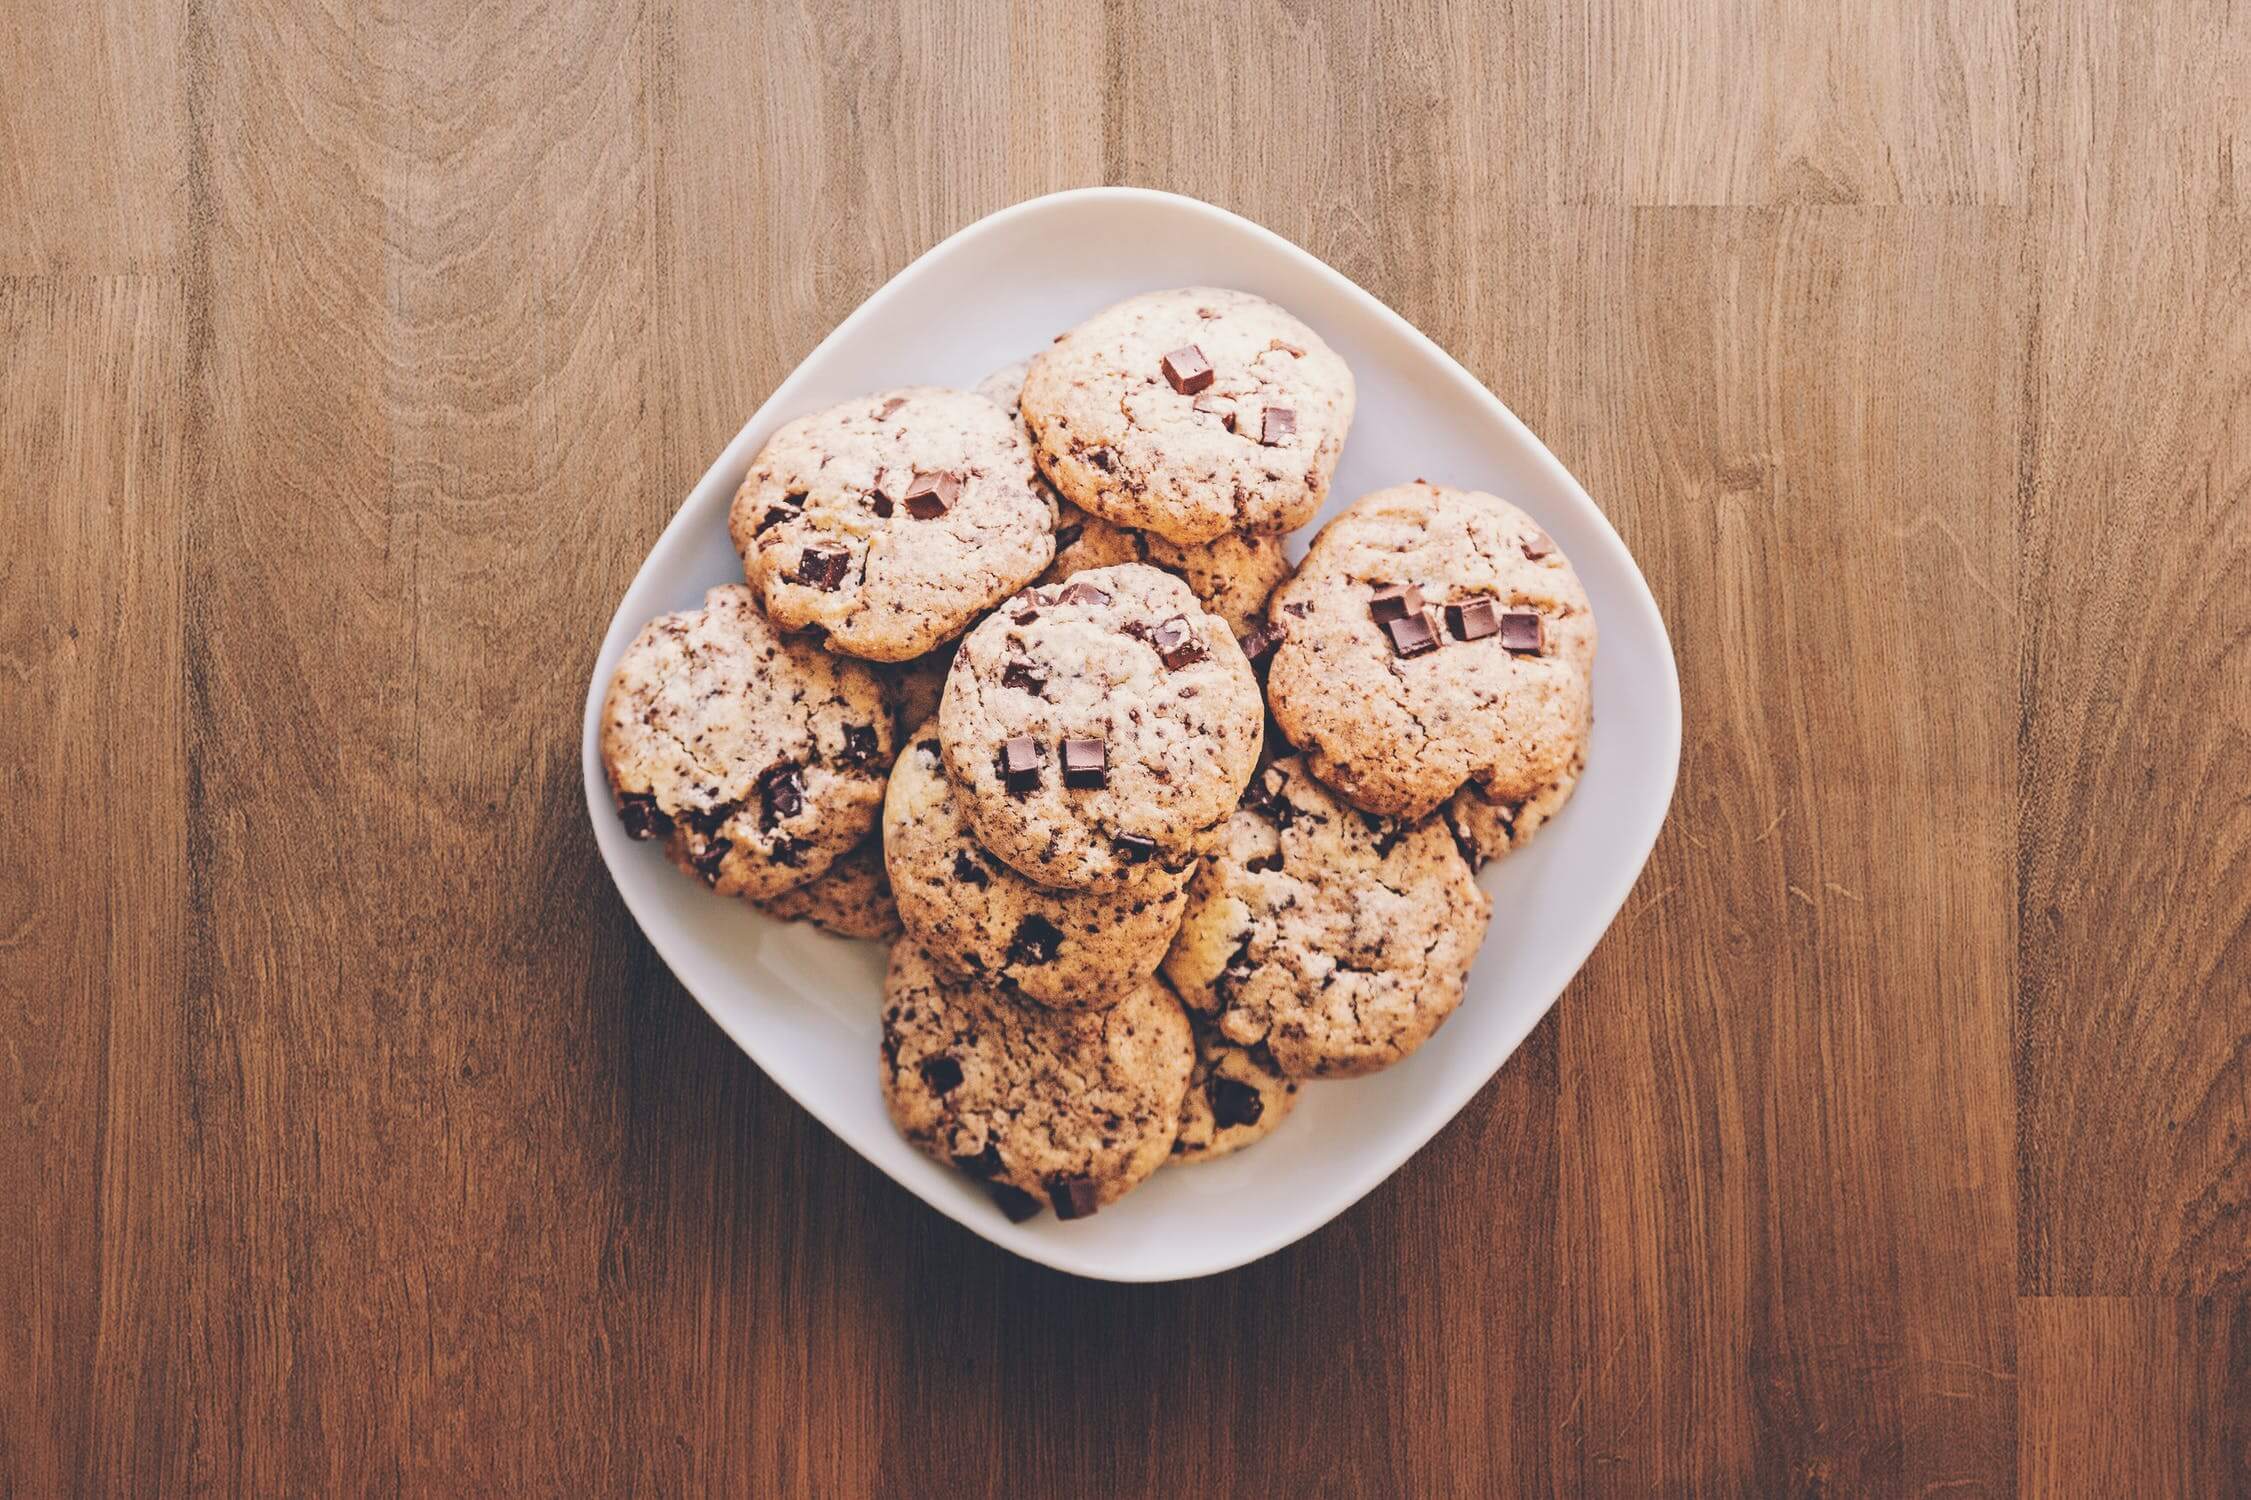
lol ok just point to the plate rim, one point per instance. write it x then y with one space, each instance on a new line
1056 1252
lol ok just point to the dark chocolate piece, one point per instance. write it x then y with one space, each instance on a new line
968 871
1030 676
1187 369
1014 1202
1085 764
1524 633
1101 458
781 792
1395 603
822 567
642 818
774 513
1133 848
859 745
1538 545
788 851
1233 1103
1263 638
1412 636
1073 1197
1081 593
1037 941
1176 643
1277 425
707 859
985 1163
881 503
1020 764
1472 619
942 1073
930 496
1302 611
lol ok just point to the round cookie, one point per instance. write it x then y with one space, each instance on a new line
1191 413
1102 728
851 898
978 918
1338 940
1236 1096
1069 1108
892 521
759 758
1233 574
1479 670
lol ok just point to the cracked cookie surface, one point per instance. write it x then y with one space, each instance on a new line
1488 827
1233 574
851 898
1236 1096
757 757
891 521
1191 413
1399 715
1067 1109
1123 669
978 918
1337 940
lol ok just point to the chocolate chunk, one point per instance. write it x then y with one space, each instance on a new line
782 793
821 567
985 1163
1292 350
968 871
1014 1202
929 496
704 822
1176 643
1234 1103
642 818
860 744
1538 545
883 412
1395 603
1263 638
1101 458
1215 405
930 748
1472 619
1030 676
1264 865
774 513
1067 538
942 1073
1187 369
1277 426
1085 764
1133 848
788 851
1264 797
1081 593
1037 941
881 503
1020 764
1412 636
1073 1197
708 859
1523 633
1239 969
1302 611
1388 832
1024 608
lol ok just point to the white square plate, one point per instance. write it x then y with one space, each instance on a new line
804 1005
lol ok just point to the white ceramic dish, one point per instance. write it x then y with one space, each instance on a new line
804 1005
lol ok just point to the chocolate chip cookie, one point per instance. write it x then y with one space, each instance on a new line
978 918
1100 728
1235 1096
1233 574
851 898
1433 637
1191 413
757 757
1068 1109
1336 939
892 521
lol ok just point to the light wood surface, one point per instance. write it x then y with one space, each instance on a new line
1897 1139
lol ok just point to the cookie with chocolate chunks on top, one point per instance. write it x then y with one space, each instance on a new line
1191 414
1061 1109
892 521
1437 639
1124 657
757 757
976 917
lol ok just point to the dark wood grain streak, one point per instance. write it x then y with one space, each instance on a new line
1892 1142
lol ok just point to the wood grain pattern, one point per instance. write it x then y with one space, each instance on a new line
1893 1142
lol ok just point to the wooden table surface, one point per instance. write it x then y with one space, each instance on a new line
1895 1141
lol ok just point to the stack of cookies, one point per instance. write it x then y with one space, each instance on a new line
1023 679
